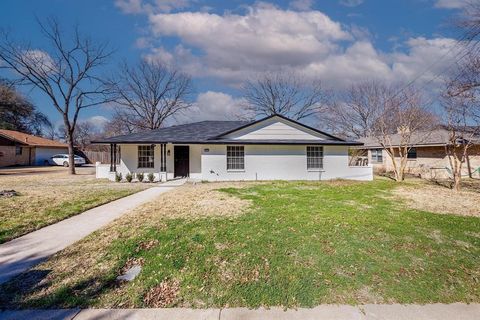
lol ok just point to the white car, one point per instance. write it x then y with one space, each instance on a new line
62 160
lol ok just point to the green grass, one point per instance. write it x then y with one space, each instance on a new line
302 244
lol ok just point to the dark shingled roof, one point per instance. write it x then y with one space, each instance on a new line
209 132
197 131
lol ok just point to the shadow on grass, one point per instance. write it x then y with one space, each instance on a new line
21 292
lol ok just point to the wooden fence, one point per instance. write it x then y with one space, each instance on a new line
99 156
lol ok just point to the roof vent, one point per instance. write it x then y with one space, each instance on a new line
26 139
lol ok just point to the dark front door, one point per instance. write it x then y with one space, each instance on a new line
181 155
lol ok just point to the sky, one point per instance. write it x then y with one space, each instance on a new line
223 43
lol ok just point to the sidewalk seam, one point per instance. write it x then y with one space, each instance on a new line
220 314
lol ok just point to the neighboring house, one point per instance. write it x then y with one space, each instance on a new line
427 157
272 148
21 149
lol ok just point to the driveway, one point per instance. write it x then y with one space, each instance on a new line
35 170
24 252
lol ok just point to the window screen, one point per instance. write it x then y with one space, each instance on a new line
146 156
314 157
235 158
377 155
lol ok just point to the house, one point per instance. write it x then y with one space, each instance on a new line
272 148
427 156
18 148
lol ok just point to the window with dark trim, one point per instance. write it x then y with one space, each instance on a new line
18 150
146 156
412 153
235 158
377 155
314 157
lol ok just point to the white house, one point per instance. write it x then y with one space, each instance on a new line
272 148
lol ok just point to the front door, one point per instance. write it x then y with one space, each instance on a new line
181 155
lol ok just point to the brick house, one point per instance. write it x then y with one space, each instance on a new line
21 149
426 158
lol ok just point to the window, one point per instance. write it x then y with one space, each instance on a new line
377 155
18 150
235 158
145 156
412 153
314 158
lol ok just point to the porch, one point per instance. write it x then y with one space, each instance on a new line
165 161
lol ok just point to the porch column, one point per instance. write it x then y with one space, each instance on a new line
115 157
111 157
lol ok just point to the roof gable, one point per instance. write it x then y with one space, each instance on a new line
276 127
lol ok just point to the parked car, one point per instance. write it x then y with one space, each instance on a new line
62 160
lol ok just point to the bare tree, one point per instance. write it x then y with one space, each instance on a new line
285 94
66 72
150 93
85 132
462 114
404 120
116 127
460 99
357 112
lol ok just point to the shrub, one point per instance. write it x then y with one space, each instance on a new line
118 176
140 176
128 177
151 177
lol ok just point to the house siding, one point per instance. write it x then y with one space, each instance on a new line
8 156
280 163
262 162
431 162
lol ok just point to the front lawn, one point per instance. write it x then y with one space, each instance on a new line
286 244
52 195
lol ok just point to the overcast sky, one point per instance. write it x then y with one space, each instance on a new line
221 43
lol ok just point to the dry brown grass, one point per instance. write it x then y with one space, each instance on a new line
196 201
438 199
50 195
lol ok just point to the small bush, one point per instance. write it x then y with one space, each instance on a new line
118 177
140 177
128 177
151 177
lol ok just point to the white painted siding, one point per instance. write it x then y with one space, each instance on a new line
262 162
280 163
276 128
43 154
129 162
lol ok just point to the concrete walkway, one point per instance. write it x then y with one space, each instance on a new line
457 311
24 252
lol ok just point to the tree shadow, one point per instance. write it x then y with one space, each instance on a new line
25 291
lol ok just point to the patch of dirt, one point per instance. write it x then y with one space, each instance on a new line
440 200
162 295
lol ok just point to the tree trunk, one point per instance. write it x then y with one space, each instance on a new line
457 180
71 153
